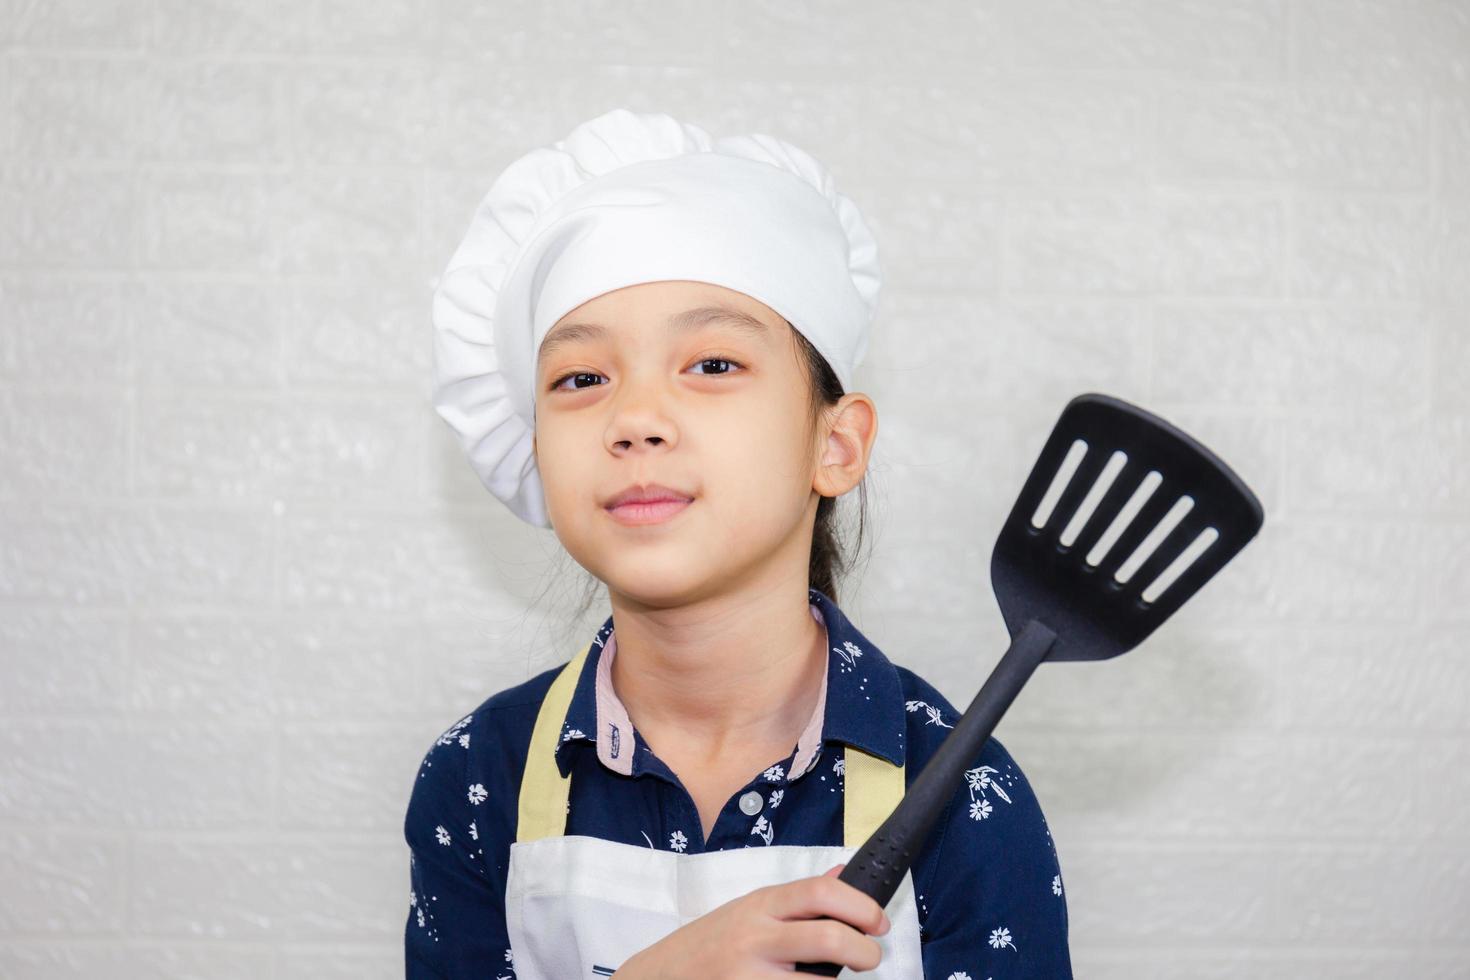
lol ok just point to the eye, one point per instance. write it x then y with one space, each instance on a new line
718 360
593 374
575 374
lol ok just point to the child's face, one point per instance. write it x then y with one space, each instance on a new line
716 411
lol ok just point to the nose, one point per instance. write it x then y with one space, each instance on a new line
639 421
626 444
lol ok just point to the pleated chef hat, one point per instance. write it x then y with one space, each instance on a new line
630 198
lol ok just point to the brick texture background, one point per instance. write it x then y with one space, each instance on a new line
246 577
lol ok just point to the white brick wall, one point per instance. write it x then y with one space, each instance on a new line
233 532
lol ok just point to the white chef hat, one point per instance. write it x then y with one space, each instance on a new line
629 198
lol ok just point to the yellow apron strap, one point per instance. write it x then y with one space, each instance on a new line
544 790
874 787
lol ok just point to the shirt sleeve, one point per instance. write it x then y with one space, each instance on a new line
456 916
995 903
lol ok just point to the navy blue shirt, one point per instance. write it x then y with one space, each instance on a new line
987 882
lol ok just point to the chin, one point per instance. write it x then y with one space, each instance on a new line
655 582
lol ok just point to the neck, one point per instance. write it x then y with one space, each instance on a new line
737 673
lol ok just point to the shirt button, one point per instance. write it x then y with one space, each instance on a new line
750 803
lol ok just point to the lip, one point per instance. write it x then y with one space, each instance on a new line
645 493
638 513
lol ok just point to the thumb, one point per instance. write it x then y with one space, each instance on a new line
833 871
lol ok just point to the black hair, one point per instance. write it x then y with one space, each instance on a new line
829 559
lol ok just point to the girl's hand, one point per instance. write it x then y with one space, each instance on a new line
767 932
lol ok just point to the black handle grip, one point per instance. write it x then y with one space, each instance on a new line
879 865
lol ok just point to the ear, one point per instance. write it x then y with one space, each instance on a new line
848 431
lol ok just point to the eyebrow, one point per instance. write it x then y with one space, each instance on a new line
570 333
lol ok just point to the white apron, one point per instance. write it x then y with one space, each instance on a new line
577 907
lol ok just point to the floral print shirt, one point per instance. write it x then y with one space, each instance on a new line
988 884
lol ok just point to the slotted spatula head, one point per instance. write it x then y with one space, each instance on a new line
1102 581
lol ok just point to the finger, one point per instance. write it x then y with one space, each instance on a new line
826 941
810 898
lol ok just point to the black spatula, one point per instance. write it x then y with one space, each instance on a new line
1077 583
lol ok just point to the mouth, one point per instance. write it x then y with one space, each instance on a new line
639 513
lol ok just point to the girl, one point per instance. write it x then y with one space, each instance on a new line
645 342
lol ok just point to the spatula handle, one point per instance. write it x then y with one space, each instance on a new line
879 865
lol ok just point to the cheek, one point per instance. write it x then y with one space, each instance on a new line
777 439
559 463
765 472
